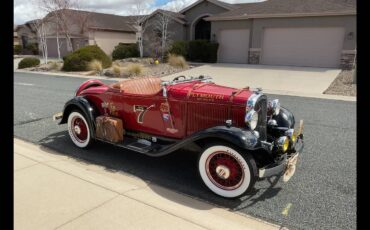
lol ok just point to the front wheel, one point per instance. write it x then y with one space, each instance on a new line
226 171
79 130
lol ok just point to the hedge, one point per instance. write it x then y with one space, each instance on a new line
122 51
17 49
28 62
33 48
179 48
196 50
80 59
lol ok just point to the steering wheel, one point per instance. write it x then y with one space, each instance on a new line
177 78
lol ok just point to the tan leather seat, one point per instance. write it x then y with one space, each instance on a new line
144 85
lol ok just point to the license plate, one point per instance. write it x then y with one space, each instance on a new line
290 168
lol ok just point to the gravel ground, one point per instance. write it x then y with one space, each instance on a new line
342 85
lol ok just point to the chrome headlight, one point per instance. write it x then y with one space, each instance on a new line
275 106
251 119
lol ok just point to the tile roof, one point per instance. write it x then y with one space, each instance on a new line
105 21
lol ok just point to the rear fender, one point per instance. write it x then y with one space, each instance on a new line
83 105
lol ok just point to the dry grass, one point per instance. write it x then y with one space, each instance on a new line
95 65
117 70
177 61
54 65
135 69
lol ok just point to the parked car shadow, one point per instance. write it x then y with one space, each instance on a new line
177 171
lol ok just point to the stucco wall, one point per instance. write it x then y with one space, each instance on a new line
193 14
107 40
217 26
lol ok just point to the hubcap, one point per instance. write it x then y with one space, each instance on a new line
224 170
79 129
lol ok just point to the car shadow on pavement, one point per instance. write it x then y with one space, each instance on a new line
176 171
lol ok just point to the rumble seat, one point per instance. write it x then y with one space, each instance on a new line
145 85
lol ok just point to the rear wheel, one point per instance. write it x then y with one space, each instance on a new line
79 130
226 171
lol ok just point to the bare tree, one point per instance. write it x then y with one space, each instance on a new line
139 21
65 19
39 26
161 22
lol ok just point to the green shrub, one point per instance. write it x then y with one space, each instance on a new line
179 48
79 60
122 51
33 48
17 49
202 51
28 62
212 51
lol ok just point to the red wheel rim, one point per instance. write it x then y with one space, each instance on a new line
224 170
79 129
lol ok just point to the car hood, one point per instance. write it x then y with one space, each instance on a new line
208 92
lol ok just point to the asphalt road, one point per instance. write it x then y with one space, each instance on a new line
321 195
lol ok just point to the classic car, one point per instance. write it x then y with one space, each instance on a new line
241 135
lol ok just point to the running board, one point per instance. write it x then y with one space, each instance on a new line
136 146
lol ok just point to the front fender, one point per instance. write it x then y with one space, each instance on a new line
83 105
244 139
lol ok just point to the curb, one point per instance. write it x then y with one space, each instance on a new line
69 75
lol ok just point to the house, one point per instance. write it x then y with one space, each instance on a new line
86 28
26 33
315 33
15 37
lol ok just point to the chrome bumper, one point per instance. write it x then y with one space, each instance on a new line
279 167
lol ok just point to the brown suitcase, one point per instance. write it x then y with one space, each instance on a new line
109 129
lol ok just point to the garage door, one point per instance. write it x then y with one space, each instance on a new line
233 46
316 47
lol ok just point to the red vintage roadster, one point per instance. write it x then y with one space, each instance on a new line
243 137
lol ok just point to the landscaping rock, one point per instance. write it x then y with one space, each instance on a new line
343 84
108 72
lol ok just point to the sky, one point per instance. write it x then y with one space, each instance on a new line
25 10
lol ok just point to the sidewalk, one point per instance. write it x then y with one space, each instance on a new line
53 191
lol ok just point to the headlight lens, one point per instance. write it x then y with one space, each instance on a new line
283 143
251 119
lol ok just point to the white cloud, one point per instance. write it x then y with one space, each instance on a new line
25 10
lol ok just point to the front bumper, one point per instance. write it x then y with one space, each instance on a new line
286 164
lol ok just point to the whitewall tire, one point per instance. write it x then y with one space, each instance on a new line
227 172
79 130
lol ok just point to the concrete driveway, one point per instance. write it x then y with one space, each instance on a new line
296 81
